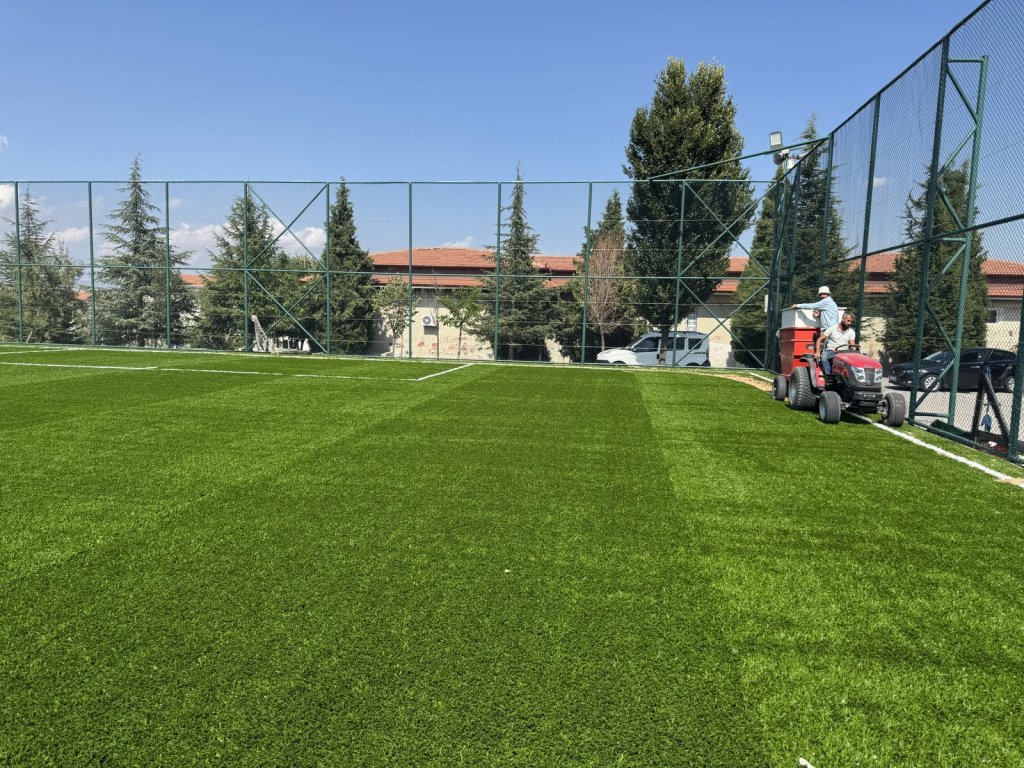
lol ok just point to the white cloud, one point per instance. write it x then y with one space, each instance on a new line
174 202
6 196
466 242
314 238
185 237
879 181
4 143
72 235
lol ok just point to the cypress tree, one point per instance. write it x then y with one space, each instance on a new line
689 124
525 303
351 280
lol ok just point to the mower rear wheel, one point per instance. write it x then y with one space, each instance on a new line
830 407
779 387
801 398
893 409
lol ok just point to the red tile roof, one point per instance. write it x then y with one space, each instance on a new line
1005 277
462 259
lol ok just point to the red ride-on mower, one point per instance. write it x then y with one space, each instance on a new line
855 383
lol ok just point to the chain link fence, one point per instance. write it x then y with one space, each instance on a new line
922 204
910 210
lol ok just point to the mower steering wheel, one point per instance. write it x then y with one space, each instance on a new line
848 348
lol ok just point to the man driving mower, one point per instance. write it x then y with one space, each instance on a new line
840 335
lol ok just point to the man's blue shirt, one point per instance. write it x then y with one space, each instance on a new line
829 311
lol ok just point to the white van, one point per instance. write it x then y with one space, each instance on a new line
691 348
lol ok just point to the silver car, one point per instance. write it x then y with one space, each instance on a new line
687 348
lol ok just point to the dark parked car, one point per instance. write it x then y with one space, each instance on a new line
1001 363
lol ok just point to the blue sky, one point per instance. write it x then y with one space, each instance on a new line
415 91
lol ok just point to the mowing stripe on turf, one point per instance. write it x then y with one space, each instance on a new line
210 370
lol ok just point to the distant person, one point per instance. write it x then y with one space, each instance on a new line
832 338
825 306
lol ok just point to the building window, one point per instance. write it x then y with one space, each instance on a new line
991 316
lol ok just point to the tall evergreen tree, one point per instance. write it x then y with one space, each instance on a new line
247 237
39 298
351 280
690 123
819 255
524 302
143 274
600 285
901 301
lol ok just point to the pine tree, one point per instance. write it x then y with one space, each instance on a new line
901 301
351 280
44 289
819 258
525 303
247 237
689 124
142 274
600 284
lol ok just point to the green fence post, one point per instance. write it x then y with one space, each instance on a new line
586 269
245 264
929 224
772 304
167 257
869 198
327 267
968 243
17 263
679 267
826 213
497 279
794 200
409 323
92 268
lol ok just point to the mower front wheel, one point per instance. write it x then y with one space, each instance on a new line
893 410
830 407
801 398
779 387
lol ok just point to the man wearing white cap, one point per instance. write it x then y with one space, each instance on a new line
828 310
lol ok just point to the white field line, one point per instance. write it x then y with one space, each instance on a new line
70 365
32 351
442 373
199 370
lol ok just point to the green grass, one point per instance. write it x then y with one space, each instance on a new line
501 565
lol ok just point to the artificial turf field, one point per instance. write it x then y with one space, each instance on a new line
252 561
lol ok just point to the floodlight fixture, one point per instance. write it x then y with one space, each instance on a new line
775 140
